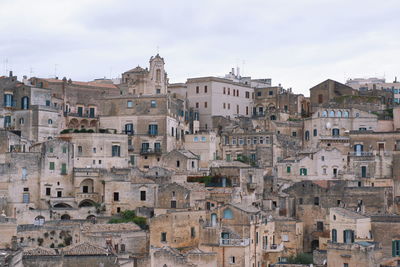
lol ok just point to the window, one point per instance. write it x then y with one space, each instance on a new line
59 193
64 149
228 214
173 204
229 106
85 189
205 89
116 196
331 113
307 135
25 102
48 191
132 160
129 128
205 104
324 171
157 147
21 121
63 168
288 169
153 104
51 166
192 232
339 114
345 265
247 110
80 111
315 132
316 201
335 132
25 198
271 93
122 247
115 151
224 92
203 139
247 94
197 104
51 149
320 99
158 91
258 93
153 129
348 236
163 237
8 100
229 91
320 226
143 195
294 134
303 171
345 114
79 150
285 238
232 260
334 236
395 248
158 75
197 90
196 139
92 112
363 171
129 104
178 163
324 113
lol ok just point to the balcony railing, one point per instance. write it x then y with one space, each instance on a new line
234 242
83 115
252 186
361 154
131 148
92 196
149 151
274 248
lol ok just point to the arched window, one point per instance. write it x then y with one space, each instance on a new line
50 121
315 132
303 171
331 113
213 219
158 75
307 135
273 117
25 102
196 139
334 236
324 113
345 114
21 121
335 132
339 114
228 214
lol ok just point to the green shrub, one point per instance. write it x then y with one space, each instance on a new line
302 258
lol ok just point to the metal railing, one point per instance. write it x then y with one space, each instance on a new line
361 154
234 242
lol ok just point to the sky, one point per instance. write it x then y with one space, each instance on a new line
296 43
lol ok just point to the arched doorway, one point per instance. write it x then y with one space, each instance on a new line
86 203
314 245
65 217
39 220
62 206
86 186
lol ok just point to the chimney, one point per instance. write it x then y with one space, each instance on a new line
233 71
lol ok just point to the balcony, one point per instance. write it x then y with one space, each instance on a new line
252 186
234 242
150 151
361 154
71 114
131 148
83 196
334 138
274 248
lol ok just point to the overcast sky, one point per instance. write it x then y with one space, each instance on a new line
297 43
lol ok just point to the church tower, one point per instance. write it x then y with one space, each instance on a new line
157 79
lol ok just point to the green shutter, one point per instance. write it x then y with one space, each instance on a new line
288 169
393 248
51 166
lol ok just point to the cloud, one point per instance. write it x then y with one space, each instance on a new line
296 43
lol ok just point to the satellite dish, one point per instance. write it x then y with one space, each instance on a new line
328 125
